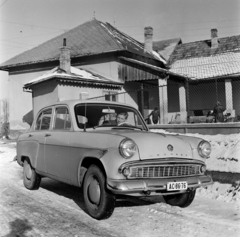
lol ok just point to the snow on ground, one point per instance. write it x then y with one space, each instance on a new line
225 157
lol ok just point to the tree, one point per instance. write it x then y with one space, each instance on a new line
4 119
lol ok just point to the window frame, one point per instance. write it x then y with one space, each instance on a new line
110 94
41 114
55 117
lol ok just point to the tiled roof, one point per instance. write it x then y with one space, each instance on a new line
214 66
166 47
77 75
196 60
90 38
199 49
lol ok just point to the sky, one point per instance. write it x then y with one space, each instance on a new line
24 24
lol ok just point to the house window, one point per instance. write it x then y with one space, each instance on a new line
110 96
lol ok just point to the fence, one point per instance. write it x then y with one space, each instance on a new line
198 99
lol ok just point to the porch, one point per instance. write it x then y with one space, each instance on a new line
180 100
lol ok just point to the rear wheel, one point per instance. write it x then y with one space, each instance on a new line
180 200
31 179
99 202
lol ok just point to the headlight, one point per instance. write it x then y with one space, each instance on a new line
204 149
127 148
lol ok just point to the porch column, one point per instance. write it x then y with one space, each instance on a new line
163 100
229 97
182 103
142 100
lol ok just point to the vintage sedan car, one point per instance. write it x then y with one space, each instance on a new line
107 149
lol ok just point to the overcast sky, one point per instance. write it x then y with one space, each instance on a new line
28 23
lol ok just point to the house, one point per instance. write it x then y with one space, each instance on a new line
100 49
67 83
183 80
212 72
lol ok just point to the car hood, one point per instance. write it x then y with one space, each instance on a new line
157 145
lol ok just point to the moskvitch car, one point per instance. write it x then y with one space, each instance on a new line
107 149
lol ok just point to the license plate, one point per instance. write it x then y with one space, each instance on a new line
176 186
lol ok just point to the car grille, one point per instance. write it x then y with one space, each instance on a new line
164 171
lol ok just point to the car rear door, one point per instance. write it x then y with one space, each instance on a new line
57 144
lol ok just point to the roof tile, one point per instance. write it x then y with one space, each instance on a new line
208 67
199 49
92 37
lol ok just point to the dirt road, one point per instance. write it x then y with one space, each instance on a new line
57 209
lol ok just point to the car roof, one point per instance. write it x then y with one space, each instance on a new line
74 102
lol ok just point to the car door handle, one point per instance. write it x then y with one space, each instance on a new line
47 134
30 135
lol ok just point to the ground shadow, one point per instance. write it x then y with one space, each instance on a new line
76 194
19 228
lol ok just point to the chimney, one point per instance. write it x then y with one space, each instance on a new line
214 38
65 60
148 35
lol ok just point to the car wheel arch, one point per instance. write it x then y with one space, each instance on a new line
85 164
23 158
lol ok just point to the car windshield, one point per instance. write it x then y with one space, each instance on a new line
93 116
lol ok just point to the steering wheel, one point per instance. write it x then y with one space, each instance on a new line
125 124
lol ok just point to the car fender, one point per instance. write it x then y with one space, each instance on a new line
88 158
27 149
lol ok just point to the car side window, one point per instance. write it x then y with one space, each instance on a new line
44 120
62 119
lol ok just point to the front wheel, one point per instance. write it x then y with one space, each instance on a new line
31 179
180 200
99 202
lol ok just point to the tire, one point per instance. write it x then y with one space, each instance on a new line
31 179
180 200
99 202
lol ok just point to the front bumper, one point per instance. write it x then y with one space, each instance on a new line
142 187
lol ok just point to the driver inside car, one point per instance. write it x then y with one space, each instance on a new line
122 118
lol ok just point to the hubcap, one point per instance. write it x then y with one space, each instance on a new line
94 192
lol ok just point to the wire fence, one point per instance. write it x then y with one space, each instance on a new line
187 102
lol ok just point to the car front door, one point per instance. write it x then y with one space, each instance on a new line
57 145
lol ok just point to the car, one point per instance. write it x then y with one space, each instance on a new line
107 149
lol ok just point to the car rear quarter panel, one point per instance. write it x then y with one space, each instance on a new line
32 149
27 149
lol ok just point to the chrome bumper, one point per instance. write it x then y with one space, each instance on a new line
140 187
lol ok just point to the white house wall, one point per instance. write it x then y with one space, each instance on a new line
70 92
20 102
106 69
43 94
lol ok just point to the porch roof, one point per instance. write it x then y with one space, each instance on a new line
136 70
75 76
214 66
